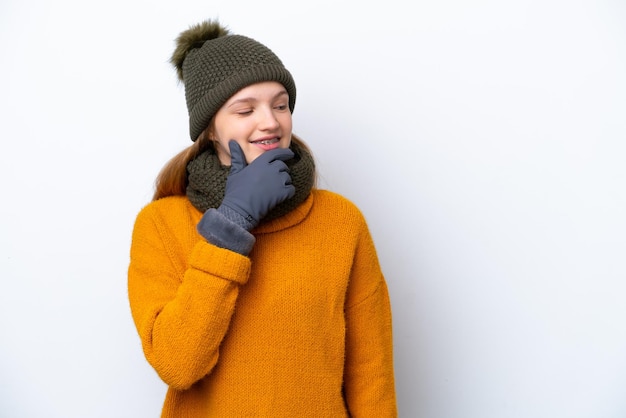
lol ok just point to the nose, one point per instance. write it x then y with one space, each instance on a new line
268 120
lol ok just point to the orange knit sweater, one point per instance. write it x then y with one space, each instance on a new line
300 328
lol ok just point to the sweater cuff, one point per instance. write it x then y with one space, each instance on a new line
222 232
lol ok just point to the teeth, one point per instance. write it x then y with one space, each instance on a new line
266 142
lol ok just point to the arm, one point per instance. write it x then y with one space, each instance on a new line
182 303
369 377
182 310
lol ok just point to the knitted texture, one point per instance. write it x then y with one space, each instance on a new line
214 64
301 327
207 181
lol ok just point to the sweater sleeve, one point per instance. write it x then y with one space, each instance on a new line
181 308
369 376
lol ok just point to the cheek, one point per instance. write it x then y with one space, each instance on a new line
222 151
286 124
286 120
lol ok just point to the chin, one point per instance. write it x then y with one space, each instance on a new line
252 157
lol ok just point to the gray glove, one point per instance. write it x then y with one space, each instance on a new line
253 190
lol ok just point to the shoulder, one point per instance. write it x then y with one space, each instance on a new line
327 197
165 205
172 210
337 206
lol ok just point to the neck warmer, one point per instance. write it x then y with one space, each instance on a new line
207 181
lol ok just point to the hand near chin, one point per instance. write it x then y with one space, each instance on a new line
252 190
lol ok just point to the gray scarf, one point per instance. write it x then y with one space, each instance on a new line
207 181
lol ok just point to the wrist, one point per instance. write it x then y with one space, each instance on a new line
222 232
246 222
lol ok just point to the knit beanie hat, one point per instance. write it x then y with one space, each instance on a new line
214 64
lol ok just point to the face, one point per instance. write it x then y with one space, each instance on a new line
257 117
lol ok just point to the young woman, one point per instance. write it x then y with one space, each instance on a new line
253 292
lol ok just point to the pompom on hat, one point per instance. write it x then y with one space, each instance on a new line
214 64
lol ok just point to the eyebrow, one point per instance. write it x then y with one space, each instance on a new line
253 99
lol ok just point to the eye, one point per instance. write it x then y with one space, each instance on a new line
281 107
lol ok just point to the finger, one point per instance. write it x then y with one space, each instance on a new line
282 154
291 190
237 159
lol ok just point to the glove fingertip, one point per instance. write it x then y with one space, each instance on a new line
289 154
282 154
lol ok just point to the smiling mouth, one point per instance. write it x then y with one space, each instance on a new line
266 141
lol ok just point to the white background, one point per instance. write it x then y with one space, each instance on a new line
484 141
